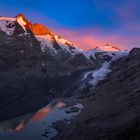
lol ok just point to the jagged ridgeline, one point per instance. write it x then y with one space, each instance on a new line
35 66
31 49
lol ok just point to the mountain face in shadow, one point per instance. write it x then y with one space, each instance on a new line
111 109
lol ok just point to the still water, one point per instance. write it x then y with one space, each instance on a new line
37 125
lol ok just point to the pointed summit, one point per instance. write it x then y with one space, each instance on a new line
37 29
22 16
22 19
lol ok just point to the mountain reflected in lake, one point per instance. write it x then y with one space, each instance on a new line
30 126
36 125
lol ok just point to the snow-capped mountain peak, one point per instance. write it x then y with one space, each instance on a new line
48 41
105 50
108 48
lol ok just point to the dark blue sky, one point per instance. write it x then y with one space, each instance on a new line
90 22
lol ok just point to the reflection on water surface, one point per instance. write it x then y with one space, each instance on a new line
36 125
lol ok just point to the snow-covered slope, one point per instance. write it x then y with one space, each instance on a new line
102 56
46 43
101 72
55 44
66 45
8 25
106 49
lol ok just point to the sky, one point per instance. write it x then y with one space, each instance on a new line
87 23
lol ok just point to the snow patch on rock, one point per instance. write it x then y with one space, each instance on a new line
7 25
46 43
5 22
66 45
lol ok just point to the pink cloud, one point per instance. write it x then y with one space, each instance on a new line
90 38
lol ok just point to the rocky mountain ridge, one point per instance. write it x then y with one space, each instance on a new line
36 40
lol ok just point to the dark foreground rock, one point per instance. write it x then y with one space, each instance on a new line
72 109
112 109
